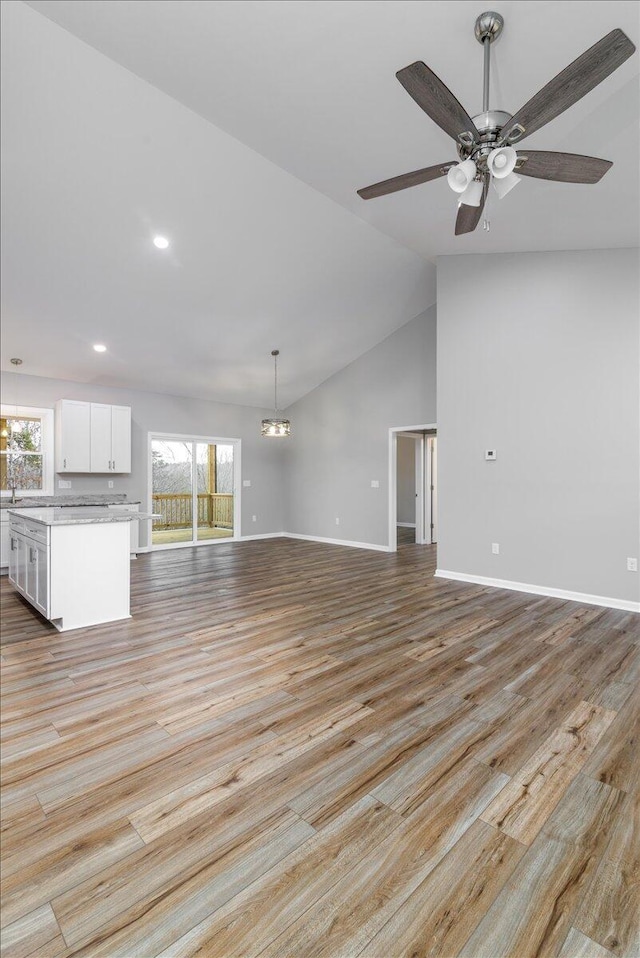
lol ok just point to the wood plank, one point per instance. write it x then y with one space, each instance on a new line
526 802
577 945
534 911
277 899
97 912
615 760
36 933
204 793
609 913
342 921
438 917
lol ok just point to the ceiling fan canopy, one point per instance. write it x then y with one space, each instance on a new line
486 143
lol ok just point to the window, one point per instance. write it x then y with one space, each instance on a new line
26 450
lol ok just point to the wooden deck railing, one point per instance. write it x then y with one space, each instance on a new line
214 510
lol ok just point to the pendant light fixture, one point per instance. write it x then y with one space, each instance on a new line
276 427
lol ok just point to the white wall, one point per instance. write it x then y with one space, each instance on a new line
406 489
340 436
152 412
538 356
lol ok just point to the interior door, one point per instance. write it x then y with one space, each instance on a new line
433 451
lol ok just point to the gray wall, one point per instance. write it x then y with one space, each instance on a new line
340 436
406 490
549 376
151 412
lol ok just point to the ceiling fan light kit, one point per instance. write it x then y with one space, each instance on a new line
484 142
472 196
460 176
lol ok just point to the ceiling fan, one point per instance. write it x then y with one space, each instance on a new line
485 142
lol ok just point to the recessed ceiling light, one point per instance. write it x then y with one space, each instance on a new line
161 242
99 348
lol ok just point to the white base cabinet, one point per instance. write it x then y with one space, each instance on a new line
29 563
75 575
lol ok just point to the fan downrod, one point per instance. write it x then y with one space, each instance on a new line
488 26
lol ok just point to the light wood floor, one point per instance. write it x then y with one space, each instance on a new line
297 750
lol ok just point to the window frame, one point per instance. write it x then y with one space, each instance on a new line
45 415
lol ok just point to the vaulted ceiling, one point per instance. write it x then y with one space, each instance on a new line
241 130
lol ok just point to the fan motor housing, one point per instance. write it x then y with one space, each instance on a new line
488 125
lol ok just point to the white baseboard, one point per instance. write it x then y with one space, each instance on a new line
406 525
623 604
337 542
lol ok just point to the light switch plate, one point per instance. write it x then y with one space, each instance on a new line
490 454
246 482
64 483
375 483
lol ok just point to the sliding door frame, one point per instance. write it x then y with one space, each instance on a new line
237 486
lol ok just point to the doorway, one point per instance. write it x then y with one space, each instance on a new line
413 487
195 488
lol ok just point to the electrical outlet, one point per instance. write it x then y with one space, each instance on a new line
254 518
110 484
246 483
337 521
632 565
375 483
495 548
64 483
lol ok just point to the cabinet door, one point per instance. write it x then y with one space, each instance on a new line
121 438
13 557
31 570
4 543
22 558
101 456
73 431
41 591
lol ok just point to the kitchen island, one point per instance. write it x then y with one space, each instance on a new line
72 565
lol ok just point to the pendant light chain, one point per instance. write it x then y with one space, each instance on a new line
275 381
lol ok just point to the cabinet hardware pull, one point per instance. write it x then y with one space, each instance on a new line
32 555
64 463
13 545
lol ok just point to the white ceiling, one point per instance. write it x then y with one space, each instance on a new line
97 161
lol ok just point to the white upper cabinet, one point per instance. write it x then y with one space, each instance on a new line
121 438
92 437
100 438
73 436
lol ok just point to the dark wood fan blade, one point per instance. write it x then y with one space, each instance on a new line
469 216
569 86
436 100
564 167
404 181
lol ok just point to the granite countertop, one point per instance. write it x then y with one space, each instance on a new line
69 517
40 502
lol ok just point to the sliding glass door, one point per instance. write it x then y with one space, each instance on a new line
193 488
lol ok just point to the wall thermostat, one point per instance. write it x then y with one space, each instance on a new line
490 454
